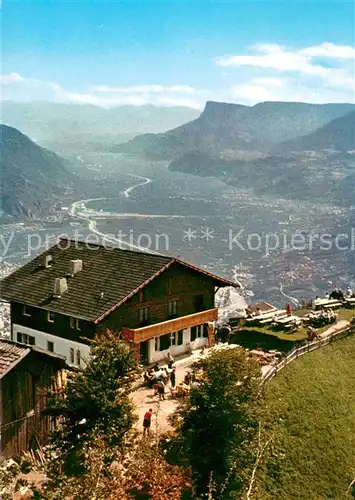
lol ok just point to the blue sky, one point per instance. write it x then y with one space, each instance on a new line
177 52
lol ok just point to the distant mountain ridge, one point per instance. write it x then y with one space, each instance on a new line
33 178
319 166
50 121
228 128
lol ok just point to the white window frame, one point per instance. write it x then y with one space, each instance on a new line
199 331
25 338
25 311
74 323
49 317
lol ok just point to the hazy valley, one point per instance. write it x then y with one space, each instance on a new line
232 169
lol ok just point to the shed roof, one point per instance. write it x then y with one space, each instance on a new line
11 353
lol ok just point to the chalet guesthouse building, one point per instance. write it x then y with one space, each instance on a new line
73 291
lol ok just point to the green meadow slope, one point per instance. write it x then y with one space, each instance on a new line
311 414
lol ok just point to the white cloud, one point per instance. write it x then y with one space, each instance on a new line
327 49
300 61
151 89
103 95
320 73
11 78
288 90
275 57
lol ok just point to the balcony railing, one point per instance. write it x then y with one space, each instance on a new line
172 325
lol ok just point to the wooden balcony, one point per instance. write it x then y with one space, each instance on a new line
172 325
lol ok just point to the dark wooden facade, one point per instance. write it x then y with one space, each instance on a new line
37 319
192 292
23 393
63 298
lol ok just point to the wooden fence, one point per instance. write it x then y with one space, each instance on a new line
308 347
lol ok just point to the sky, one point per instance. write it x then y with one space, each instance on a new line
176 52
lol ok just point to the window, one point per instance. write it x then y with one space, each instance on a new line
26 311
50 346
23 338
173 338
143 315
75 323
165 342
78 357
172 308
72 355
50 316
197 332
169 340
180 337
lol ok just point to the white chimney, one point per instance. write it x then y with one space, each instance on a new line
46 261
60 287
75 266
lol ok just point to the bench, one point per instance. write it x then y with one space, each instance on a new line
265 321
326 303
334 305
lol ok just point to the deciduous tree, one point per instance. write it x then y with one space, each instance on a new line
96 402
218 425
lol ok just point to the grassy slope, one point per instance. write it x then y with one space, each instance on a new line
311 411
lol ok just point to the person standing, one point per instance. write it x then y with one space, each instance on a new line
173 378
161 390
169 360
147 422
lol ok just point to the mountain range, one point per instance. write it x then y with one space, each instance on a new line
33 178
291 150
224 128
52 124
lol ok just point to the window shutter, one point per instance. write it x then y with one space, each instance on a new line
180 337
165 342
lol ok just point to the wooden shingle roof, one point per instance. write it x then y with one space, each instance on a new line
117 274
10 355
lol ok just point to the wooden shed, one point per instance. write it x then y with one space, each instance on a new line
26 375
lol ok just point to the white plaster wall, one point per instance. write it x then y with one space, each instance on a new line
61 346
199 343
156 356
